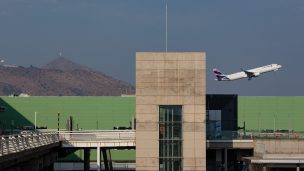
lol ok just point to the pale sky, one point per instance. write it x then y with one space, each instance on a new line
105 34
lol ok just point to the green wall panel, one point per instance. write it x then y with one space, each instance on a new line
269 112
88 112
104 112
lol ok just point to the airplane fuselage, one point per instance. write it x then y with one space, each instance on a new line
250 73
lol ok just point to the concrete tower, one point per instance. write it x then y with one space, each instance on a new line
170 111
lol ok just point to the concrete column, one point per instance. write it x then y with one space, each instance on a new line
250 166
298 168
226 160
86 162
105 159
98 158
110 160
218 158
264 168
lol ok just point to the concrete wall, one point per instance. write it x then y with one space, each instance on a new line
279 148
170 79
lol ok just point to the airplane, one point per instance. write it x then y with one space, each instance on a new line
246 73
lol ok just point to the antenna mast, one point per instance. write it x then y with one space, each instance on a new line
166 25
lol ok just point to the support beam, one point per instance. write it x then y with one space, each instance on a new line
86 162
218 158
298 168
98 158
110 160
226 160
105 159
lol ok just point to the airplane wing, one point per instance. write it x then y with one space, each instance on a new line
249 74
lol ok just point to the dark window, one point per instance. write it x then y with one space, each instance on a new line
2 109
170 138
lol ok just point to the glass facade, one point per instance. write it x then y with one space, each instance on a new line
170 138
213 124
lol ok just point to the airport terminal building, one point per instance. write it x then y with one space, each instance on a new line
178 127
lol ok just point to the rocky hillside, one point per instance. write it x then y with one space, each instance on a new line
64 64
60 77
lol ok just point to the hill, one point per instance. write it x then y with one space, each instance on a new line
64 64
60 77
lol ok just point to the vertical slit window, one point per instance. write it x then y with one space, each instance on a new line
170 138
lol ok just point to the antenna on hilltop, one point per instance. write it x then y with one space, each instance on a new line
1 61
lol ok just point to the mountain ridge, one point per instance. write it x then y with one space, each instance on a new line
60 77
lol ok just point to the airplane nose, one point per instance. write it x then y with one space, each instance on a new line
279 66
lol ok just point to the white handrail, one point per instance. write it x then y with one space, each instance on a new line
96 135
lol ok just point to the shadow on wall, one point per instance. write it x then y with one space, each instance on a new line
11 119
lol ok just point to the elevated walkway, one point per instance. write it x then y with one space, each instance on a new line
102 140
126 139
18 147
93 139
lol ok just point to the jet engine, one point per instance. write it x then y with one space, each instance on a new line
256 74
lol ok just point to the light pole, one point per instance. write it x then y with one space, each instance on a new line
166 27
274 123
259 122
35 121
289 126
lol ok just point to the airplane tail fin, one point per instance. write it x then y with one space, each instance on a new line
219 75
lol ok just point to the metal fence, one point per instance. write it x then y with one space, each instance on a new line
276 134
254 134
20 142
68 166
100 135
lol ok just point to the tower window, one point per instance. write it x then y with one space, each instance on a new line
170 138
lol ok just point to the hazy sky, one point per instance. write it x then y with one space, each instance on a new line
105 34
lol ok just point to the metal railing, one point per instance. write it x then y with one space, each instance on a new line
93 166
100 135
276 135
20 142
253 134
97 135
